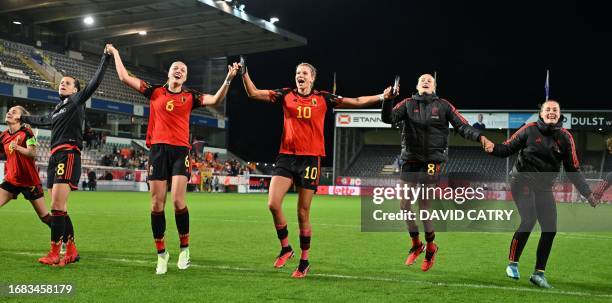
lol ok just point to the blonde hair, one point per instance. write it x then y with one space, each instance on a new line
24 112
313 70
609 143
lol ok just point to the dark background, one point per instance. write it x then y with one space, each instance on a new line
487 54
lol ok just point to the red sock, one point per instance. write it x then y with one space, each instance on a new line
160 244
416 241
184 240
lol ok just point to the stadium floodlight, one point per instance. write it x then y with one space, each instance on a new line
274 20
17 22
142 33
88 20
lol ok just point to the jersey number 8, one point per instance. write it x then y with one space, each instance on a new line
60 169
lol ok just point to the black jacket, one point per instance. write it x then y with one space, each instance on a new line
541 150
425 126
66 119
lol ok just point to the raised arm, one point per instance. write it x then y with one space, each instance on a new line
222 92
93 84
365 101
511 146
393 114
42 120
252 91
123 74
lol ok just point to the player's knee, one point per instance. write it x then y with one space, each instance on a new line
157 207
157 203
178 203
527 224
405 205
303 213
274 206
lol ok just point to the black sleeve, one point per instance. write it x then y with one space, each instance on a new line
146 89
516 142
93 84
572 165
37 120
277 95
331 100
460 123
197 99
393 114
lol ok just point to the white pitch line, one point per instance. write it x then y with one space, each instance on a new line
366 278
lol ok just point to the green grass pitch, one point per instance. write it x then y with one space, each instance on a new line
233 245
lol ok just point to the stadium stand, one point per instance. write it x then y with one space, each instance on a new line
380 160
13 69
16 71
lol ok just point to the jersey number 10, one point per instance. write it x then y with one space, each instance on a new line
304 112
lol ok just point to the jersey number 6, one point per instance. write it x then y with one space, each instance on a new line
170 105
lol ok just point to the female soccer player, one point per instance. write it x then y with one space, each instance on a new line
168 138
64 169
21 173
302 147
425 132
542 147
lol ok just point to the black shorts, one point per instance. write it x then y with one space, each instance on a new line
421 172
167 160
29 192
304 170
64 167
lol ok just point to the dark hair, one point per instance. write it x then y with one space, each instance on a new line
77 83
549 100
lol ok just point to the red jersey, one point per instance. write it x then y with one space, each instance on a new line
304 120
19 170
169 114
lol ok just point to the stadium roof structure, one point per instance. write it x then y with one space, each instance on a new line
203 28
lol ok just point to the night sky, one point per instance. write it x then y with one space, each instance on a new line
488 55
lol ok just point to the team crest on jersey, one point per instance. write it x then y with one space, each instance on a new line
313 101
434 113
